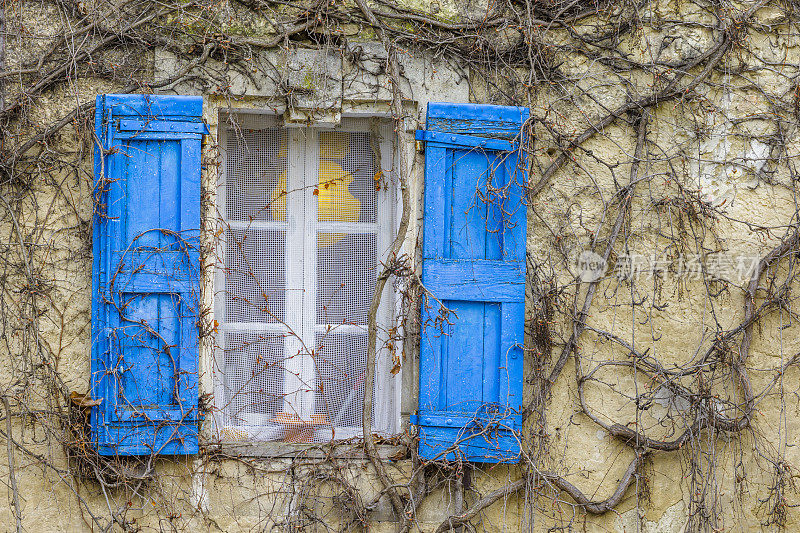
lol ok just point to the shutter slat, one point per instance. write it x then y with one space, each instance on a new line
157 135
437 138
496 281
146 275
150 107
162 125
479 120
474 243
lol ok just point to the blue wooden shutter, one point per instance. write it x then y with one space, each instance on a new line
146 274
474 262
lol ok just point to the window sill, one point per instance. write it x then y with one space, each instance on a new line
286 450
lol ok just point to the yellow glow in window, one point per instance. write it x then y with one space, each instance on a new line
335 202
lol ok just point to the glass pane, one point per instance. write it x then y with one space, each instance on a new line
255 174
340 362
347 273
255 279
347 178
253 378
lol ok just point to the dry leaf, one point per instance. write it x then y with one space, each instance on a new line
83 400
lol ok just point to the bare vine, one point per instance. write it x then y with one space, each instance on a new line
664 131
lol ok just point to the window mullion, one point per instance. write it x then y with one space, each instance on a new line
295 216
310 269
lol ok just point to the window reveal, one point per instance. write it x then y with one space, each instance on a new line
305 223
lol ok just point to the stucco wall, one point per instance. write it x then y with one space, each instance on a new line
721 147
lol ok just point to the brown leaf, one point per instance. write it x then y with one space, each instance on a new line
83 400
398 456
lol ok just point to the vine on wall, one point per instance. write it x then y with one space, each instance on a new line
654 125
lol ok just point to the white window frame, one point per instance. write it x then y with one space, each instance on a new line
302 154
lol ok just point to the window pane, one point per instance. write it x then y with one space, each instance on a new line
253 378
346 270
255 280
347 178
255 175
340 362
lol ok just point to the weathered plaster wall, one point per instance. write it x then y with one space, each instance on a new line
727 157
